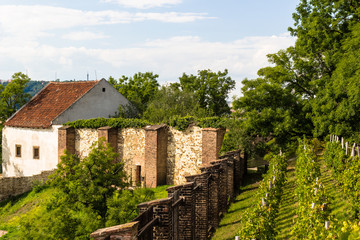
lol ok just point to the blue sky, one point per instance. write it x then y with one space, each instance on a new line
68 39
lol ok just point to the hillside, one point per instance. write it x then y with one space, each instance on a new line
15 212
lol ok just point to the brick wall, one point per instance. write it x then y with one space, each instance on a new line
193 209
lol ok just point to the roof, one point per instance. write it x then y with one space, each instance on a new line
49 103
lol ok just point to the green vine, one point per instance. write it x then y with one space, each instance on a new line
180 123
259 221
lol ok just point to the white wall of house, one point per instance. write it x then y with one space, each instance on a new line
102 100
26 165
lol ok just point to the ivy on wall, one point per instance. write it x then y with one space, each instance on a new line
180 123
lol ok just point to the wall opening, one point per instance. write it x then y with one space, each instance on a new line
138 175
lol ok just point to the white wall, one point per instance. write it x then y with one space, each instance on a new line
94 104
46 139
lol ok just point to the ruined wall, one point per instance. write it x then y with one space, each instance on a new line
184 154
84 139
131 147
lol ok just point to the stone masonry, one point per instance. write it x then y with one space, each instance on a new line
153 155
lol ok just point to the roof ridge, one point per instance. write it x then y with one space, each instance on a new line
80 81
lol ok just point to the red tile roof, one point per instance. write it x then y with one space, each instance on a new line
49 103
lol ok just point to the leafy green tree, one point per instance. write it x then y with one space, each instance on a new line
13 96
171 101
139 89
211 89
93 180
336 109
302 92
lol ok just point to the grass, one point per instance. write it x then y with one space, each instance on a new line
14 209
231 221
339 205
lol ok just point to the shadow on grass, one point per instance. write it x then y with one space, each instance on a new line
231 222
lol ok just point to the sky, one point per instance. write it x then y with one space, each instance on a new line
70 39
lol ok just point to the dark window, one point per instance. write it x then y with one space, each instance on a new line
18 150
104 89
36 152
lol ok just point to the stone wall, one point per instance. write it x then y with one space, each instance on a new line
184 154
172 154
84 139
13 186
191 211
131 146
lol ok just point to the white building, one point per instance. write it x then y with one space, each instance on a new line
30 136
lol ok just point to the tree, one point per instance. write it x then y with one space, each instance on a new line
307 77
139 89
92 180
172 101
13 96
336 109
210 89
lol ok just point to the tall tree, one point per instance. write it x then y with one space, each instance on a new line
305 74
139 89
211 89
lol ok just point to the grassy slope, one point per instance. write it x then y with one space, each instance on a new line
11 211
340 206
232 219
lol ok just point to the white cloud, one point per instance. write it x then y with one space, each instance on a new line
83 35
35 21
142 4
167 57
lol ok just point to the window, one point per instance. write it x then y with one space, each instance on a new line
103 89
18 150
36 152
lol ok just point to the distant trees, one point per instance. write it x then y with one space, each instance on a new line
210 89
139 89
204 94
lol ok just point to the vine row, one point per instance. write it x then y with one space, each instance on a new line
259 221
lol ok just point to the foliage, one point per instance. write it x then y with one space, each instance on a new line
312 211
179 122
347 173
170 101
259 221
86 195
123 205
139 89
12 96
93 180
336 109
112 122
311 88
210 89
